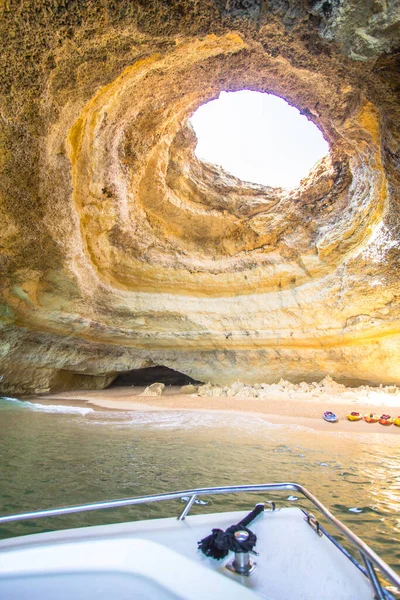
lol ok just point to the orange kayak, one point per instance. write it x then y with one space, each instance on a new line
371 418
354 416
386 420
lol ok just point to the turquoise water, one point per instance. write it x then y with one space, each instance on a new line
62 455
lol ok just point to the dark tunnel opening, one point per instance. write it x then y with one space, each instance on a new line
149 375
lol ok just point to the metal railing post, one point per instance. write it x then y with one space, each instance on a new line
379 593
188 506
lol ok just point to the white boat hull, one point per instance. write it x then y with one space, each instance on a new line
159 559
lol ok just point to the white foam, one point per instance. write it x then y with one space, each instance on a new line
51 408
189 420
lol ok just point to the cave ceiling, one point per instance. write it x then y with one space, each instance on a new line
121 250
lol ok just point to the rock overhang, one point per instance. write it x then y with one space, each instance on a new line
142 255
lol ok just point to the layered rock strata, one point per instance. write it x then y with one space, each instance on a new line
120 250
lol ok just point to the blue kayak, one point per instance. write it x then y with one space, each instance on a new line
330 417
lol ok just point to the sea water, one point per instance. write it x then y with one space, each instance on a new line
54 455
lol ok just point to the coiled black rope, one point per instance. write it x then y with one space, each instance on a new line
219 543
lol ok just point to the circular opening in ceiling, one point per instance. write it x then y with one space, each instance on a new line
258 138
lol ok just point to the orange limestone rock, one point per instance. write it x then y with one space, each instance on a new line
121 250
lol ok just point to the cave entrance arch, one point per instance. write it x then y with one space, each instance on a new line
149 375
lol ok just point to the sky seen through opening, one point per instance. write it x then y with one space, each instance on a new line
258 138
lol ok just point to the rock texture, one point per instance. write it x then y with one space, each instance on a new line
155 389
120 250
327 387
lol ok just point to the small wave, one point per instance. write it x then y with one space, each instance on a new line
173 419
51 408
176 419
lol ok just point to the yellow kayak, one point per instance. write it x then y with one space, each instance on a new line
371 418
396 421
354 416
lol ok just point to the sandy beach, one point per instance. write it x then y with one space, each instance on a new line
279 407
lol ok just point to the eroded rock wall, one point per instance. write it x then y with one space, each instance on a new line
120 250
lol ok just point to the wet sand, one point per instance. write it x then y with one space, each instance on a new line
281 408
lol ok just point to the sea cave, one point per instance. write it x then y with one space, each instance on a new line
121 250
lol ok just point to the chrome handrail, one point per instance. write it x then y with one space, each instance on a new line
368 555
